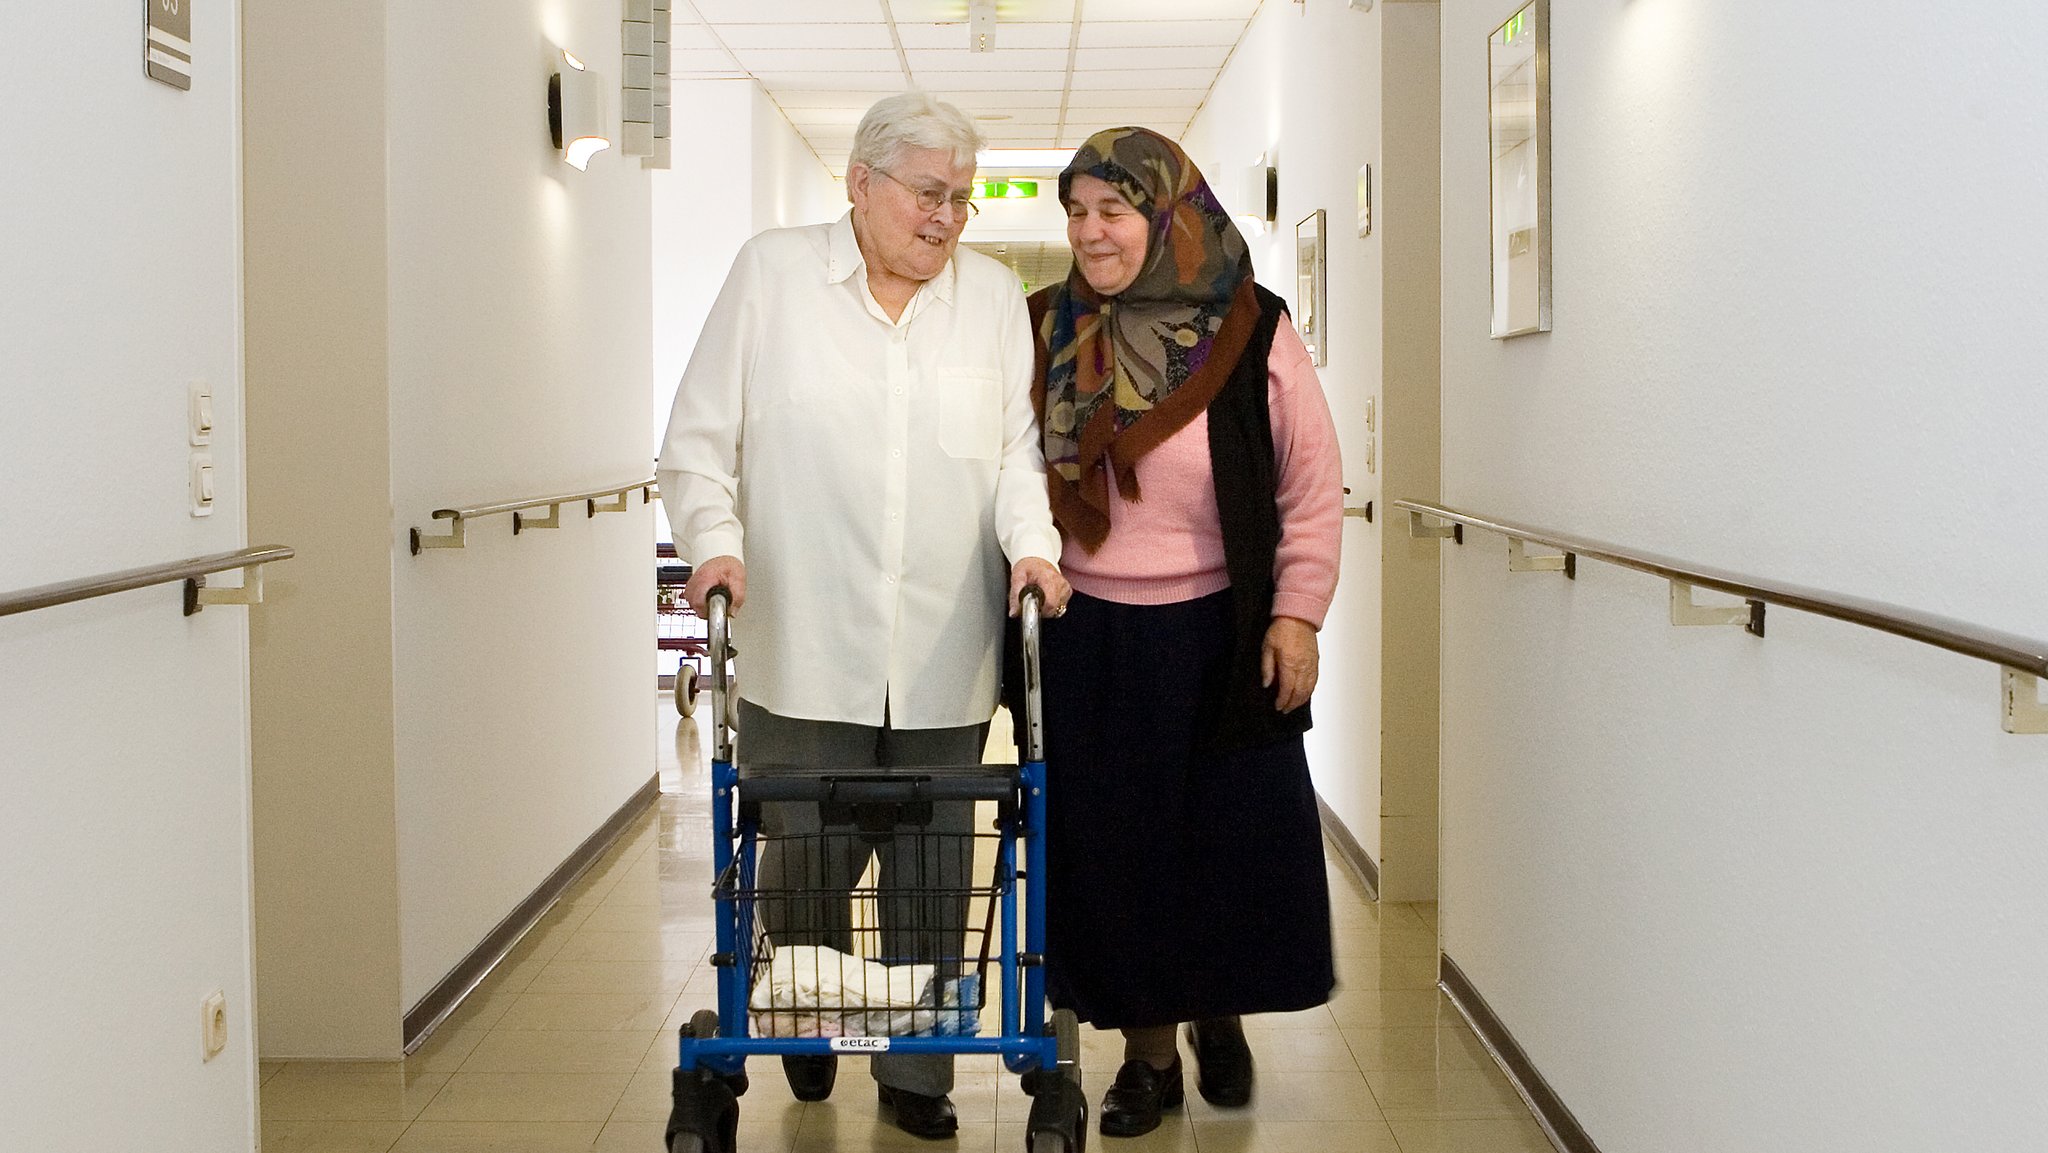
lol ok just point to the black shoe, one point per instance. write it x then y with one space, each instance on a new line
1132 1106
811 1074
1223 1062
918 1115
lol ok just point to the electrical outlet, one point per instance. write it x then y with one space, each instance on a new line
213 1024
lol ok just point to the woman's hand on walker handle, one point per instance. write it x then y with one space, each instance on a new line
1287 662
729 571
1041 572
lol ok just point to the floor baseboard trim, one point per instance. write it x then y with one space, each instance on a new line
444 997
1557 1121
1348 849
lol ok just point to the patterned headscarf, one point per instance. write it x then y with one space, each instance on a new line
1123 373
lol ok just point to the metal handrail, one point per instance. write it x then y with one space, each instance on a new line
458 517
193 572
2024 659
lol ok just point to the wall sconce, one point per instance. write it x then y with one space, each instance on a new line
1261 194
576 121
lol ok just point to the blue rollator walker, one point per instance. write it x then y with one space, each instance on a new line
910 972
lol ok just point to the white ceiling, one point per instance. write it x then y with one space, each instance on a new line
1061 71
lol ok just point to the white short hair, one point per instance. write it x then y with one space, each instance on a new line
913 120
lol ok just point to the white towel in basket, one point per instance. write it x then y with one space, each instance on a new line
818 991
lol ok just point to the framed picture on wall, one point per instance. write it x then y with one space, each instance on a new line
1518 61
1309 254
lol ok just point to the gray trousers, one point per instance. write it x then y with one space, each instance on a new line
826 873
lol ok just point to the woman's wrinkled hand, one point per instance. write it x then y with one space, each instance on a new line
1288 662
719 570
1041 572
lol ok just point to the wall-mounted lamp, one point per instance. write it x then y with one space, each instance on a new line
576 120
1261 195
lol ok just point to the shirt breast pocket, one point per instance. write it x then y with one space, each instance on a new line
971 413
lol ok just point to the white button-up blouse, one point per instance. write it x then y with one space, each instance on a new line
877 478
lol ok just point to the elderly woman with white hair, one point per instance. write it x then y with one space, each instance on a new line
890 502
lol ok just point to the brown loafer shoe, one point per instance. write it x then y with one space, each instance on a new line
1141 1093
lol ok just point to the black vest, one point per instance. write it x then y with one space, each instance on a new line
1247 487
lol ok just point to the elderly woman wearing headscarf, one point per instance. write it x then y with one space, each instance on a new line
1195 479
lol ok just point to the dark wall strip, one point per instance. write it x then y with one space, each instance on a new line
1348 849
1558 1123
472 969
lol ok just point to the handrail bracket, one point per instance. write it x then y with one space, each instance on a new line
620 502
2024 712
198 594
452 540
521 521
1519 560
1686 611
1420 531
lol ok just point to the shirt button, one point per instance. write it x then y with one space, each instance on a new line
896 452
892 578
895 516
899 390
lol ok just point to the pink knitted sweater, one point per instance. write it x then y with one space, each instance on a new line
1167 546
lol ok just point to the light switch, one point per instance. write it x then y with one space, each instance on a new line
202 484
200 412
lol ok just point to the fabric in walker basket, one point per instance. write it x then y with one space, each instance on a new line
818 991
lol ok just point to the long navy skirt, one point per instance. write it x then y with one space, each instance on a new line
1184 884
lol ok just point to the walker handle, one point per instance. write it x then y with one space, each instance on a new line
721 652
1028 605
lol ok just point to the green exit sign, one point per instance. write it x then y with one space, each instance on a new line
1006 190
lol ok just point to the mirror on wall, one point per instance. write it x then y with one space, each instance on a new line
1518 58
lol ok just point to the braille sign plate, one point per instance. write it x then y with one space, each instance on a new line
169 46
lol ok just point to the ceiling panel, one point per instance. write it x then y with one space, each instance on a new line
1007 11
1238 10
701 60
786 11
694 35
993 100
1100 33
824 62
808 118
1194 79
1210 58
873 83
769 60
857 99
923 60
1008 35
990 81
874 35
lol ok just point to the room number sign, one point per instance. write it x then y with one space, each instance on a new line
169 44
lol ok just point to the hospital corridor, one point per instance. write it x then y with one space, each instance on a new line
1290 576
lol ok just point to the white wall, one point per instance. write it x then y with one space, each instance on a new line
739 168
520 339
126 895
791 185
1730 893
442 314
1304 88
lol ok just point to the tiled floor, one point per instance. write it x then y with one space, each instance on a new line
568 1045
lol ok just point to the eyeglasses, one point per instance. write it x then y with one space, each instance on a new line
929 199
